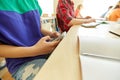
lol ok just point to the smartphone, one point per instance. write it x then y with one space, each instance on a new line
59 37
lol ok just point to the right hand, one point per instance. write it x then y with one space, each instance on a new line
90 20
88 17
43 46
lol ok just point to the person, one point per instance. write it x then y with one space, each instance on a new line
66 17
115 14
104 15
23 43
78 12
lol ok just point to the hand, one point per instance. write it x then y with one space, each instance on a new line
55 34
90 20
43 46
88 17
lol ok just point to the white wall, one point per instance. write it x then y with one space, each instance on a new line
96 8
55 5
77 2
92 8
47 6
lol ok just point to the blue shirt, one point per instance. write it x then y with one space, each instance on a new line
20 26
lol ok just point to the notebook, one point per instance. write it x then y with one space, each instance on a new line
108 48
94 68
90 25
115 29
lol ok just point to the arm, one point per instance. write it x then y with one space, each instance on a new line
76 21
69 19
10 51
40 48
46 32
49 33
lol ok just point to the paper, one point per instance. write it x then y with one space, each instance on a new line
100 46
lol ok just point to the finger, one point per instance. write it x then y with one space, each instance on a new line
55 43
46 38
56 34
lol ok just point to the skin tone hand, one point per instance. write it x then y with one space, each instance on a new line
88 17
43 46
75 21
54 34
51 34
89 20
40 48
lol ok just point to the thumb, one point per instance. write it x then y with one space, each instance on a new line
46 38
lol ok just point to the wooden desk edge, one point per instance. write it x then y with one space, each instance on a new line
64 63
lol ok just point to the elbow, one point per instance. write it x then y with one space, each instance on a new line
70 23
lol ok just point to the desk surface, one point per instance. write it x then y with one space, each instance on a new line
64 63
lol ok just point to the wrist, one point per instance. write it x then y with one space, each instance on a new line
33 50
87 21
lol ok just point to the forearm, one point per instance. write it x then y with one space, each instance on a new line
75 22
79 21
46 32
8 51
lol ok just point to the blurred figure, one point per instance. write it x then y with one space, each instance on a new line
104 15
66 15
115 14
78 12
